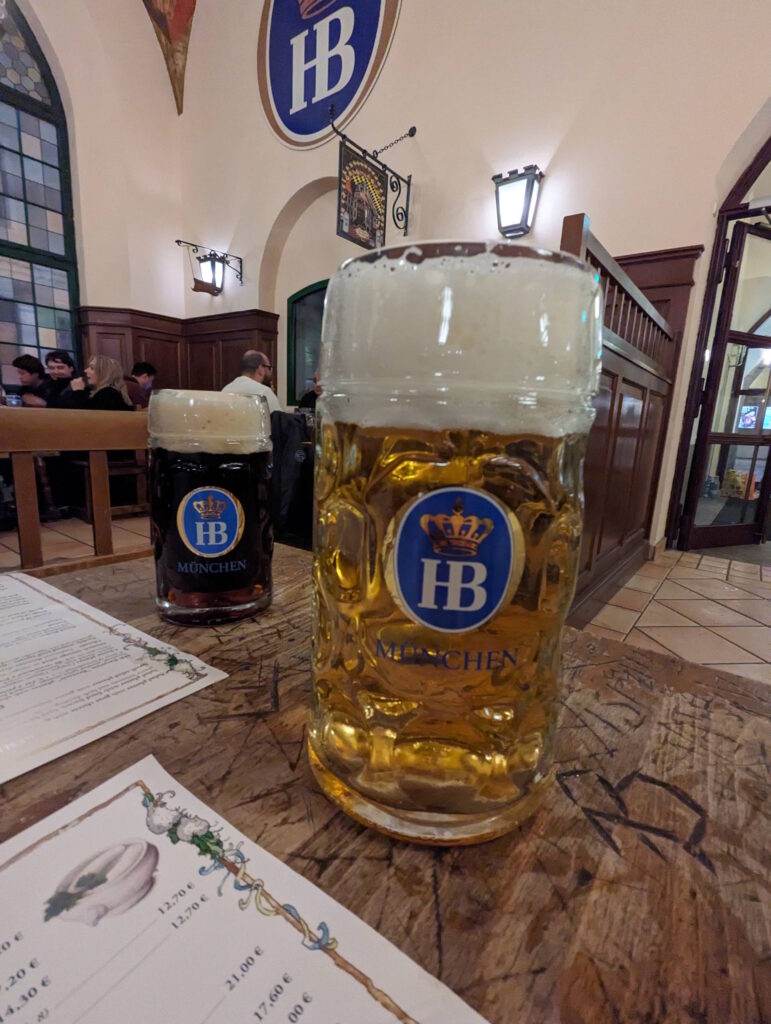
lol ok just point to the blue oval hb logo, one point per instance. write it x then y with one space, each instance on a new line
210 521
457 555
313 53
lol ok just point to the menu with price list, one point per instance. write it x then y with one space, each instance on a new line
70 674
137 903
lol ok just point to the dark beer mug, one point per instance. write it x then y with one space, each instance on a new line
209 466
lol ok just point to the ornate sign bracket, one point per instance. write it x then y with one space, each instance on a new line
400 207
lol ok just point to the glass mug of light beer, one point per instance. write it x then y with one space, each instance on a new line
209 468
458 382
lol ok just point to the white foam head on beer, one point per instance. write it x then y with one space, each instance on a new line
489 336
209 421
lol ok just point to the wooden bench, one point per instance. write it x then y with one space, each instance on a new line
26 433
135 468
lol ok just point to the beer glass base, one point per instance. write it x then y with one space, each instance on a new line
209 616
428 827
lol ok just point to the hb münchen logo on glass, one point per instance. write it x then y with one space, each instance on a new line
210 521
454 559
316 53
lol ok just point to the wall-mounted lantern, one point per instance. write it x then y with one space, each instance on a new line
212 270
516 195
209 267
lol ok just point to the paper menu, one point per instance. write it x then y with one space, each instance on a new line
136 904
69 674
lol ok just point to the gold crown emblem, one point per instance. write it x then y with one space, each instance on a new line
310 8
456 535
210 509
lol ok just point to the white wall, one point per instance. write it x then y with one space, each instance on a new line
124 149
637 112
302 264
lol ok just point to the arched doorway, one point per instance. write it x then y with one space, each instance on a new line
302 250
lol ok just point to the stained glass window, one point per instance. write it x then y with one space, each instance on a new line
34 310
30 183
38 282
18 67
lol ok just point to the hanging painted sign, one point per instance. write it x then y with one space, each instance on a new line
314 53
361 199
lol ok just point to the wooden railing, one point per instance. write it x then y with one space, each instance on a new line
25 433
623 455
629 317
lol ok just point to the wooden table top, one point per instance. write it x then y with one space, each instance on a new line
638 893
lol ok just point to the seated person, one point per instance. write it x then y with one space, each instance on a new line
33 380
256 375
61 370
308 400
105 388
139 384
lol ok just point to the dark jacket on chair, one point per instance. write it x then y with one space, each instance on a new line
292 481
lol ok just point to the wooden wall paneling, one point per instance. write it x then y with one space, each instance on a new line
598 453
202 352
203 362
107 331
115 344
231 350
646 481
645 305
624 449
165 354
629 409
232 334
157 339
666 278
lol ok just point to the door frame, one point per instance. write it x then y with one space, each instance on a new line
291 341
733 208
692 535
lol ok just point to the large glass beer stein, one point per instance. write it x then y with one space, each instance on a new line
209 468
458 382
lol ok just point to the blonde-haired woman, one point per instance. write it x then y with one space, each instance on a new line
103 388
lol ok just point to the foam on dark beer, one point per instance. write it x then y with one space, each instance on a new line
209 421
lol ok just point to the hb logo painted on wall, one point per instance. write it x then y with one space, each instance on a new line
313 53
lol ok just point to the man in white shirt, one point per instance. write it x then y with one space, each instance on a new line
256 375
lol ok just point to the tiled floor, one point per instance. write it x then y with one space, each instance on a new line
709 610
67 539
757 554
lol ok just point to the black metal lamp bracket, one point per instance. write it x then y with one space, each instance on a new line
234 262
400 211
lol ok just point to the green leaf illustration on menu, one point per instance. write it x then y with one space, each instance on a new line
172 661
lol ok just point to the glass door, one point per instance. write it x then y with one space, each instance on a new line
728 489
305 310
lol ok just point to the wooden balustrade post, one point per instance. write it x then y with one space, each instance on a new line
100 502
28 517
